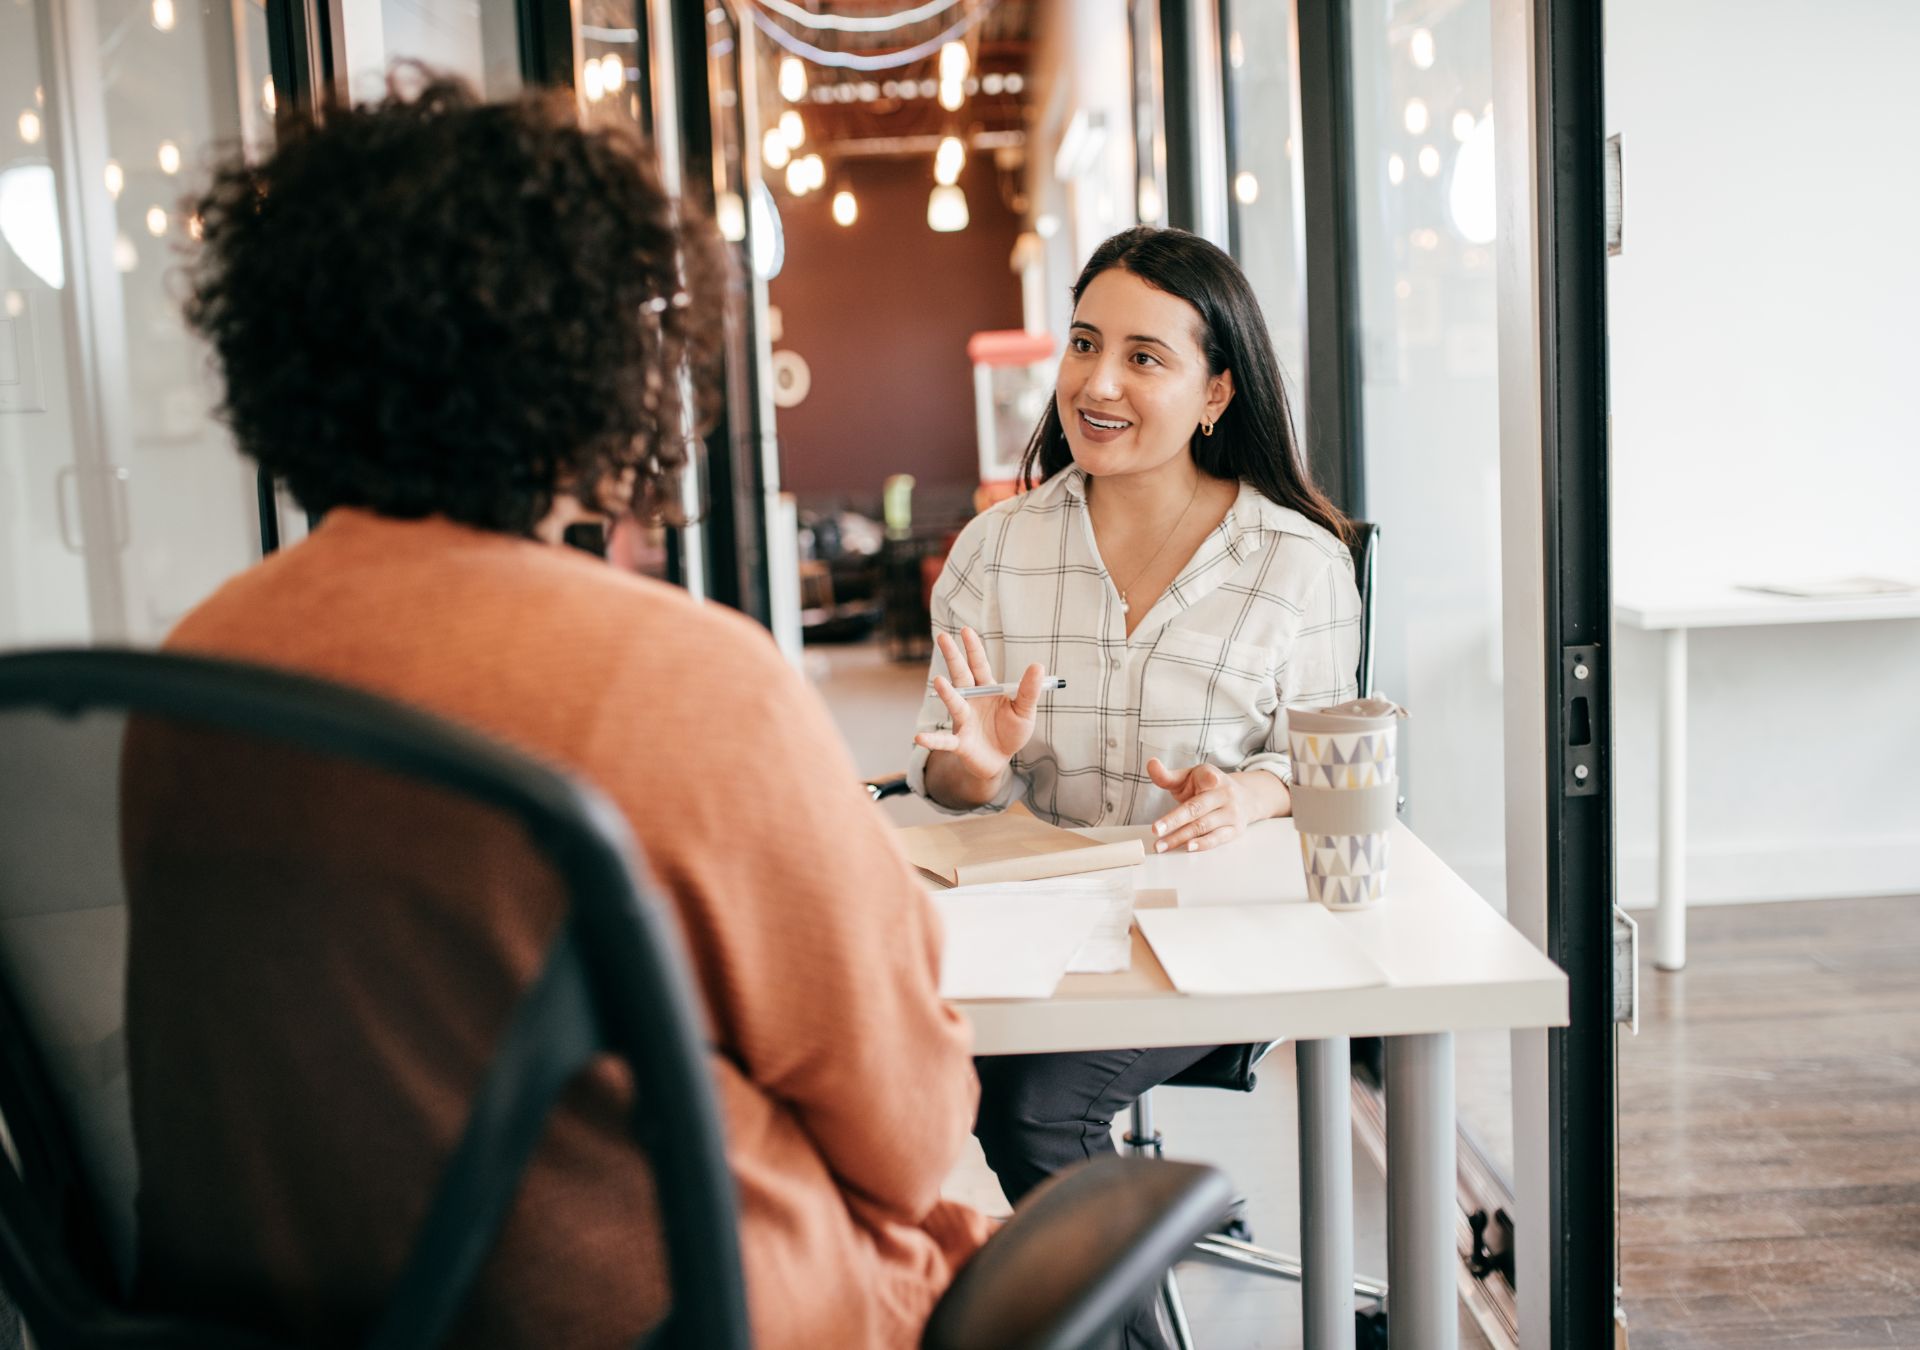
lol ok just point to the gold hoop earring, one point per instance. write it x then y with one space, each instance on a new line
1206 427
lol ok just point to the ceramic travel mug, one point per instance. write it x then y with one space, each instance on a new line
1344 791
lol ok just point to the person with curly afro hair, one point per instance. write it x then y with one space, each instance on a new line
450 327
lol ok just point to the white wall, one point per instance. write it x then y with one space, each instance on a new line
1765 333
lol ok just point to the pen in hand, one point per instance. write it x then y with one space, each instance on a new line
1009 690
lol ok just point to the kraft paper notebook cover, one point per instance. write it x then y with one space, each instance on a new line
1012 846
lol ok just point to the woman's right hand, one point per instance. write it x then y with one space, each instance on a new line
987 732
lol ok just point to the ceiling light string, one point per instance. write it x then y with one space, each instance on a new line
877 23
858 61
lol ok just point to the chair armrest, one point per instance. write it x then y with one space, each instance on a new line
1081 1253
882 788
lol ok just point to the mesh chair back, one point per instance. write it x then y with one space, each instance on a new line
296 985
1365 550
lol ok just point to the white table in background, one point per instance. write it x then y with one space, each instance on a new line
1674 616
1452 964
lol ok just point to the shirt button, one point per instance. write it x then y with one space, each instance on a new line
1116 663
1109 808
1113 743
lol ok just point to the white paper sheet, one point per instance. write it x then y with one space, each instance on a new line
1109 947
1006 946
1256 949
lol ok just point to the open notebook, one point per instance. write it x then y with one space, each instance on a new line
1011 846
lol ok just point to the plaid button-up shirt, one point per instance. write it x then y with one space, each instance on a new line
1265 614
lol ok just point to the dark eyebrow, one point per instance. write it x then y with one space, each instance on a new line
1131 337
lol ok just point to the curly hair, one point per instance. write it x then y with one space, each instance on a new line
438 306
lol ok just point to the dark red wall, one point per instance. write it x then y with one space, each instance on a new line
882 311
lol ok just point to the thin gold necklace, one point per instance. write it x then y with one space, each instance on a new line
1125 608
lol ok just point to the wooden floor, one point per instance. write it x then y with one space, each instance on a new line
1770 1132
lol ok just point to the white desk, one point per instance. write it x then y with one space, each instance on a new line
1673 616
1452 964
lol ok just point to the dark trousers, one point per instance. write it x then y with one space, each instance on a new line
1040 1114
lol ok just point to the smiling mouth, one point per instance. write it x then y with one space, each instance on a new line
1103 423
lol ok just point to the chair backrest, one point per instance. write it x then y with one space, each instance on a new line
1366 552
142 793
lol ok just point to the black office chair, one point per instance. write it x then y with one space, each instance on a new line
1232 1067
93 746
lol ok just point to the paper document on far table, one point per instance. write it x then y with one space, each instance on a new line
1109 947
1006 946
1256 949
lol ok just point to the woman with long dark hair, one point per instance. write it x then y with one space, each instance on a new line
1173 560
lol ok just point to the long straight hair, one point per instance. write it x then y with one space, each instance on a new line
1254 440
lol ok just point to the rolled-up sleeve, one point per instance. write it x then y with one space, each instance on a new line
1322 664
962 598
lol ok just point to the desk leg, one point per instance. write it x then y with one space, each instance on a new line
1326 1193
1423 1302
1670 922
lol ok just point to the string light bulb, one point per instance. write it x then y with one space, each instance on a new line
30 126
792 130
1246 188
798 183
953 62
952 95
947 209
793 79
773 149
115 177
845 209
169 157
163 15
730 214
816 171
156 221
948 160
613 72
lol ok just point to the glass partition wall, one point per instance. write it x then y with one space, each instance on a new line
122 501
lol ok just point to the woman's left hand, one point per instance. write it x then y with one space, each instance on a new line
1215 806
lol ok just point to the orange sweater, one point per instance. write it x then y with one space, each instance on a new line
844 1082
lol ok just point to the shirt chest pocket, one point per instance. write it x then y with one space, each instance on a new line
1205 698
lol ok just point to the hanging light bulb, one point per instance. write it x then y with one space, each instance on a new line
952 95
30 126
613 72
163 15
798 181
953 61
593 81
1246 188
792 130
773 149
116 178
730 214
793 79
948 160
947 209
845 209
169 157
156 221
816 171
